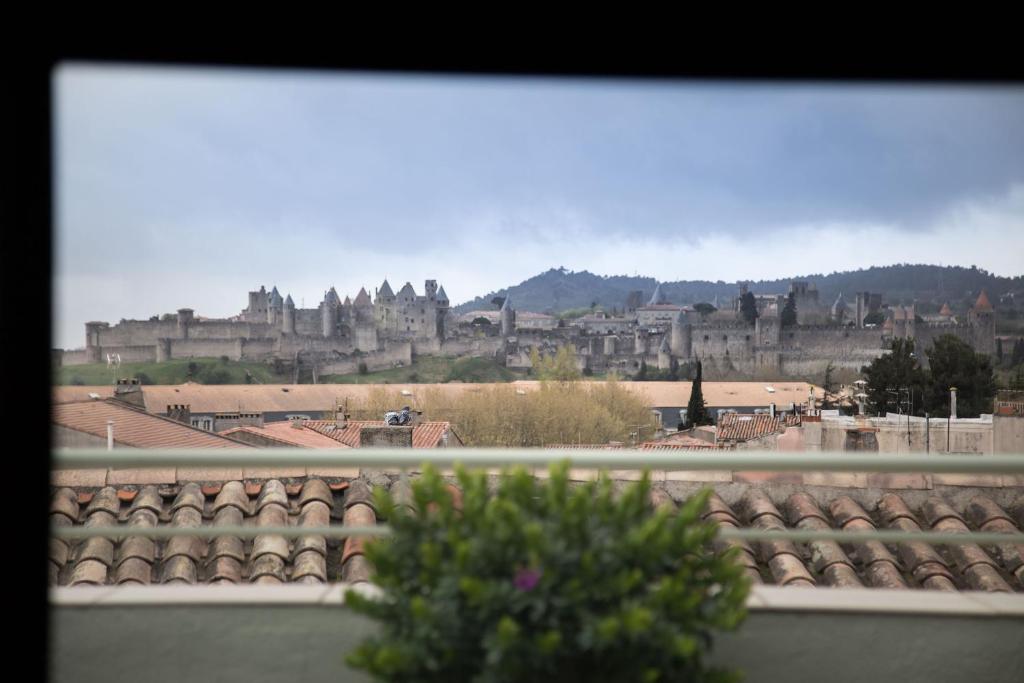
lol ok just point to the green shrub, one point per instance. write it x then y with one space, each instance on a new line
362 368
545 581
143 378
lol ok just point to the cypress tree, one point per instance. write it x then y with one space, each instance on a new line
696 411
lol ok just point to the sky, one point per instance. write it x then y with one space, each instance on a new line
180 187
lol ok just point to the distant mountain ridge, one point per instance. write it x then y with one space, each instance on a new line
559 289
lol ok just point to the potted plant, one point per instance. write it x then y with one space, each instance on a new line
545 580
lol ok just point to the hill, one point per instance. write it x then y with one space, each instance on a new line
558 289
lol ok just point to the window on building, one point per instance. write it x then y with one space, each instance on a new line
725 337
706 337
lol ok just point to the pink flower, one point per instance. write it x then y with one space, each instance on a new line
527 579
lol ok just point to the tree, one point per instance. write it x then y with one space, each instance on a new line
827 385
748 308
481 320
696 411
705 309
953 363
673 370
999 350
874 318
788 316
1018 352
143 378
895 380
559 368
641 376
362 369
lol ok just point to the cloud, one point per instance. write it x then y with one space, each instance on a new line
188 188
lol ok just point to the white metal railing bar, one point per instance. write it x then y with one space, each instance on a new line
378 458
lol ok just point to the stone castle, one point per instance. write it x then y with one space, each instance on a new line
391 329
380 330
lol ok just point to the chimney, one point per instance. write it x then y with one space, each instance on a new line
180 413
110 435
298 423
771 409
952 402
129 391
341 416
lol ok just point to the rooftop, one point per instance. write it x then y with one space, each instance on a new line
738 502
134 427
207 398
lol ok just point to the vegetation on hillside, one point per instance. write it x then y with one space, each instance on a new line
201 370
559 289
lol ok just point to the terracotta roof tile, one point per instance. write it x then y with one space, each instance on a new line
212 398
424 434
739 427
311 501
134 427
287 434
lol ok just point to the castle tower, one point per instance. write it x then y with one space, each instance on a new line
861 313
664 354
329 313
508 318
185 316
274 306
982 318
442 313
92 339
430 289
682 336
911 316
288 316
609 345
384 308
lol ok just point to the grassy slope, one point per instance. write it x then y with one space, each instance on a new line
171 372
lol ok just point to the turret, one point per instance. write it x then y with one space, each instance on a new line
430 289
682 336
982 318
274 306
185 316
328 314
508 318
288 316
664 354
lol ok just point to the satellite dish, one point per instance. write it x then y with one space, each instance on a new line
93 395
406 392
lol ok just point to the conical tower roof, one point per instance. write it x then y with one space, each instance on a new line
332 296
839 305
385 289
982 304
288 301
946 310
664 348
363 298
407 290
441 296
658 297
275 297
347 301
